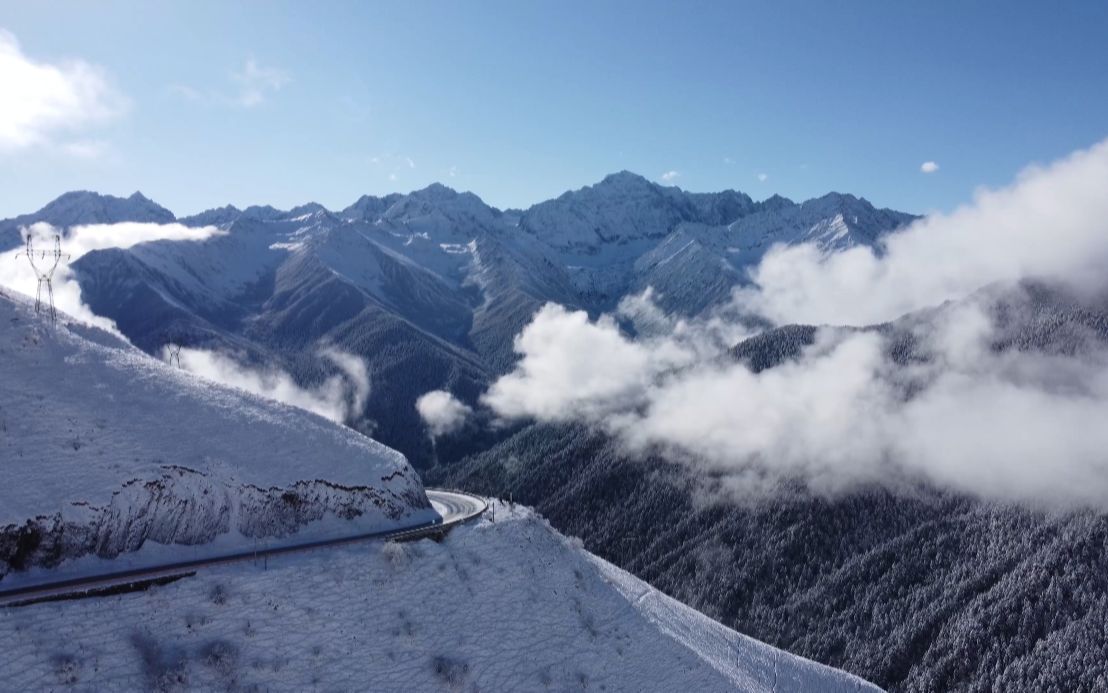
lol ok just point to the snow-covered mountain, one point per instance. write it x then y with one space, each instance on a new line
107 452
431 287
505 604
695 266
626 233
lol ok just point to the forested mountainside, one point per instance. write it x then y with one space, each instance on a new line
912 587
915 590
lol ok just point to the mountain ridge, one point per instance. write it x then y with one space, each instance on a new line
434 275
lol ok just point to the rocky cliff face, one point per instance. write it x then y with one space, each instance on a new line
188 507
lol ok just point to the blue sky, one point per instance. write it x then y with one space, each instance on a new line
205 103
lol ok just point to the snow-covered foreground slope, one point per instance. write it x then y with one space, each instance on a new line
105 451
500 605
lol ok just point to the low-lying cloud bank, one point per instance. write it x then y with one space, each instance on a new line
17 274
1010 425
341 398
1051 222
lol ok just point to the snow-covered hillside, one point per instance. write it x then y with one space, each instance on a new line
105 451
504 604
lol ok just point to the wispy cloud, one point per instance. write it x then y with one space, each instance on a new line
86 149
257 82
763 177
393 165
42 104
670 176
928 167
250 86
340 398
187 93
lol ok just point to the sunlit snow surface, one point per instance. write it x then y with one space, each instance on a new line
504 605
121 446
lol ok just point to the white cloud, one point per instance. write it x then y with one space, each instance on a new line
394 165
341 398
929 167
573 368
86 149
728 160
1050 222
42 103
17 274
253 84
186 92
442 412
670 176
1012 425
763 177
257 81
1009 426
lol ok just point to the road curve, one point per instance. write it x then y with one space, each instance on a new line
454 507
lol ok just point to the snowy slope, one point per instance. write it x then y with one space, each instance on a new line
696 265
504 605
103 448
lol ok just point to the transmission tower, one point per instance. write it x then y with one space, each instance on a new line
174 353
45 276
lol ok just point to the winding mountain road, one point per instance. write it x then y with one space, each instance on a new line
454 508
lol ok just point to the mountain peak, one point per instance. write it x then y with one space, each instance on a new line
434 192
86 207
625 177
213 217
307 208
776 202
370 207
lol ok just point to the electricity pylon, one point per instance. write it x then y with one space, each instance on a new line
45 276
